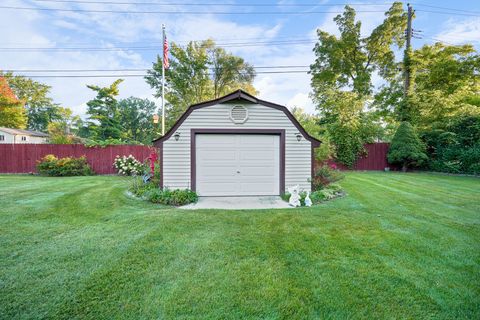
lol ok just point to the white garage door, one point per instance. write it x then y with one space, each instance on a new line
237 164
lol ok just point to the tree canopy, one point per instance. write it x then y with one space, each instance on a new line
342 78
40 108
445 85
198 72
12 111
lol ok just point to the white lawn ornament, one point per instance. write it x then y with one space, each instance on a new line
294 200
308 201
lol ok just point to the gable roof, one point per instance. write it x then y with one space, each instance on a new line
5 89
238 95
22 132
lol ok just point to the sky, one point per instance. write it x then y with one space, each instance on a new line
40 36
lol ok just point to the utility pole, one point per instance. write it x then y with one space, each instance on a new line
406 58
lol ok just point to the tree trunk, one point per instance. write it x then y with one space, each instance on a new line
404 167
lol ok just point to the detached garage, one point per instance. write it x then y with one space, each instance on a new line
236 145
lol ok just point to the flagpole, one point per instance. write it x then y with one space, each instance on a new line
163 82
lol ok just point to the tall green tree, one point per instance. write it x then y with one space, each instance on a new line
342 77
103 114
198 72
40 108
136 118
12 111
348 62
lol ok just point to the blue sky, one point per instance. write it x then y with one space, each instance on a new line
265 40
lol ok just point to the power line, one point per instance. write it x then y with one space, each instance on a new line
450 13
143 75
131 70
219 3
444 8
154 48
189 12
220 12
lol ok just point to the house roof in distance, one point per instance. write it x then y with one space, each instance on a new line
21 132
238 95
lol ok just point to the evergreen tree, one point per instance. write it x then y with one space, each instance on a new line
406 148
104 117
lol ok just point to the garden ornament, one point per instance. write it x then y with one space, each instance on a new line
308 201
294 200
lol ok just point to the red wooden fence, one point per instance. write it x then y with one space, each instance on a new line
22 158
374 159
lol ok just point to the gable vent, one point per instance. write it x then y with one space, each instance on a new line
239 114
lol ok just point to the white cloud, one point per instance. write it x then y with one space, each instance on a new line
460 31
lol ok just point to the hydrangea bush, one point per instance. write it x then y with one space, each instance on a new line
128 166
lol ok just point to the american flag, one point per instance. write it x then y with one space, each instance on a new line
165 51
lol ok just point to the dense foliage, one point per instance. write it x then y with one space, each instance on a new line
406 148
50 165
455 147
136 120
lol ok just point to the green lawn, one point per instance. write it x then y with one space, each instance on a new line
398 246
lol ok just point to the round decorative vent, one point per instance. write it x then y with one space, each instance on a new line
239 114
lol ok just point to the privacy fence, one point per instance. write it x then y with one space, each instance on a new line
375 158
22 158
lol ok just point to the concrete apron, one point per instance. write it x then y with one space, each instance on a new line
238 203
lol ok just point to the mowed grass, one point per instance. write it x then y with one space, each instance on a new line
398 246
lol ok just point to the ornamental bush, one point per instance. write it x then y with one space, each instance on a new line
69 166
406 148
326 175
128 166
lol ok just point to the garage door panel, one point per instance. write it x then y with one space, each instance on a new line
206 140
217 155
258 172
258 187
237 164
257 154
217 171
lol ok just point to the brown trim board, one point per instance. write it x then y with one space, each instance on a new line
193 163
238 95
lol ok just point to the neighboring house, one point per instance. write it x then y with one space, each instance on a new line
8 135
237 145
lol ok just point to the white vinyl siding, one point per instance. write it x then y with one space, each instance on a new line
176 157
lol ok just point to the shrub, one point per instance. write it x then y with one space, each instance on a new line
406 148
151 191
326 175
169 197
69 166
128 166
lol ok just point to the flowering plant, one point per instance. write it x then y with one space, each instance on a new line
128 166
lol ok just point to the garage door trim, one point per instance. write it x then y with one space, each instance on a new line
193 149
